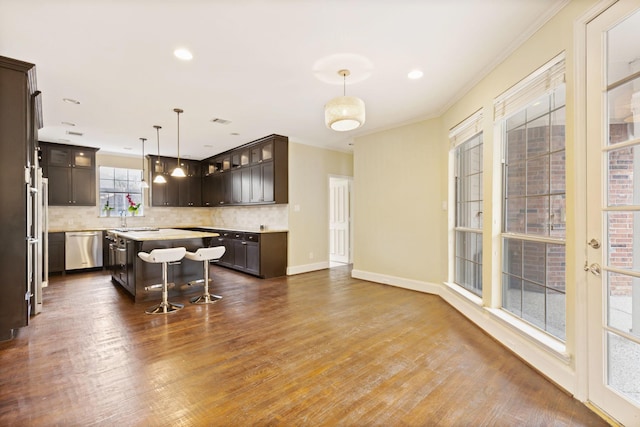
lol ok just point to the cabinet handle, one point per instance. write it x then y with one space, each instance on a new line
244 243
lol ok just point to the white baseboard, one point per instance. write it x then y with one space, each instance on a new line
400 282
299 269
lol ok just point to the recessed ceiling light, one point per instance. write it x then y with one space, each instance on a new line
68 123
208 146
234 133
71 132
220 121
415 74
71 101
183 54
127 148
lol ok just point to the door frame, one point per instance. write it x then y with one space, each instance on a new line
584 306
349 180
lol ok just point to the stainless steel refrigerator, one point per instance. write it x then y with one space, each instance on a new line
23 209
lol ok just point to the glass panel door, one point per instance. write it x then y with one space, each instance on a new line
613 211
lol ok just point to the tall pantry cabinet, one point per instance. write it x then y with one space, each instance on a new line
20 119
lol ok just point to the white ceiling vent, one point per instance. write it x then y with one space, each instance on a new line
71 132
220 121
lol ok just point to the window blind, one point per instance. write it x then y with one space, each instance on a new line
542 81
463 131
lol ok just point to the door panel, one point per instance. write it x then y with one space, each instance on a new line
613 211
339 216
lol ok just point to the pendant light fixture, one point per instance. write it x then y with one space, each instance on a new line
178 170
344 112
159 179
143 183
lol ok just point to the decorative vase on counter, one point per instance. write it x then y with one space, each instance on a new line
133 207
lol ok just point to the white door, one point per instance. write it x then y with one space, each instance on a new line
613 211
339 217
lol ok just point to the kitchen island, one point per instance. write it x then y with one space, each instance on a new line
134 275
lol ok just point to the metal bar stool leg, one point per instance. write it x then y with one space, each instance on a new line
165 306
206 298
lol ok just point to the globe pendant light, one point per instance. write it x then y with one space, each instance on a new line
143 183
344 112
159 179
178 172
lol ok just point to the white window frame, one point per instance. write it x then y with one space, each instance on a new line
117 197
464 132
543 81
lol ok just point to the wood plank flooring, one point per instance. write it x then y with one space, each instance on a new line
316 349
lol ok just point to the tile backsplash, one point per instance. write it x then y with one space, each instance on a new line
69 218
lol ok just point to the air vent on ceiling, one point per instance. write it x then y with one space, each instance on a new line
71 132
220 121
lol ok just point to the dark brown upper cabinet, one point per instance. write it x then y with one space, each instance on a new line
72 174
252 174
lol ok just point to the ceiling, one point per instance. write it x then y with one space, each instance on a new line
266 66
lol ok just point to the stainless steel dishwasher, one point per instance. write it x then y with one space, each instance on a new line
83 249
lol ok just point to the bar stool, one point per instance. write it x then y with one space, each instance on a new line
164 256
205 255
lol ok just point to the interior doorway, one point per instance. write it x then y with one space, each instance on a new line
340 221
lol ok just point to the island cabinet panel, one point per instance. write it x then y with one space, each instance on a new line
72 174
136 275
260 254
56 252
252 174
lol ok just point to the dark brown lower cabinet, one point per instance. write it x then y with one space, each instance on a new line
56 252
260 254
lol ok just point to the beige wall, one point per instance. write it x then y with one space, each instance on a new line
309 171
401 178
400 227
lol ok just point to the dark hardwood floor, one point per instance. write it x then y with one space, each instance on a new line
307 350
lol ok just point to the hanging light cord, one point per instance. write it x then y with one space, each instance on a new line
143 140
344 84
178 111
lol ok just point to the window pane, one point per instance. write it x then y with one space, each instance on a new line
533 304
538 215
622 238
556 303
515 215
516 179
558 121
557 173
515 145
621 288
557 218
538 176
556 262
624 110
512 294
538 136
516 120
533 258
512 253
624 357
538 108
106 172
622 164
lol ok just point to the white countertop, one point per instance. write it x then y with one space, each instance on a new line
163 234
